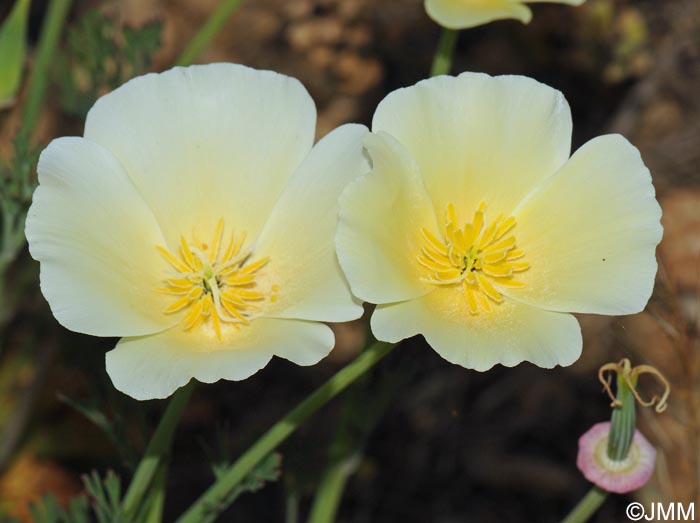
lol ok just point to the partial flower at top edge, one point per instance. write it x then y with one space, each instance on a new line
464 14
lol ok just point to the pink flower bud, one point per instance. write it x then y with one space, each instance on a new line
619 477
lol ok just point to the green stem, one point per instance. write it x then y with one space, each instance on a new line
157 450
330 490
39 79
622 428
587 506
622 422
208 31
292 509
156 500
343 453
443 57
213 501
364 407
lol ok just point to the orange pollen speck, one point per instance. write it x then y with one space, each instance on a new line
213 284
478 256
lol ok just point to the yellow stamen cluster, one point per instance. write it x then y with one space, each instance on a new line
478 256
213 284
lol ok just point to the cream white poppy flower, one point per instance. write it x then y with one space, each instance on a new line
195 220
462 14
476 229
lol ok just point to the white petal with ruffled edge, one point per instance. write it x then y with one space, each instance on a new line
299 237
379 227
207 142
461 14
155 366
510 334
479 138
590 233
95 238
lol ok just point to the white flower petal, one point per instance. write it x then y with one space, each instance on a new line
299 237
510 334
155 366
96 240
590 233
461 14
207 142
479 138
379 228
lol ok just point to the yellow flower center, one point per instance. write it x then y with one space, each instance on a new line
213 284
478 256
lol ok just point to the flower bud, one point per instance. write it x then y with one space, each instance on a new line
618 476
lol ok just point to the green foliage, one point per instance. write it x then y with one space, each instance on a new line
268 470
102 500
17 184
100 56
140 44
220 455
17 181
13 47
221 460
114 426
99 504
16 188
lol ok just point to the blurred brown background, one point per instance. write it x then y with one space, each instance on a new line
433 442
